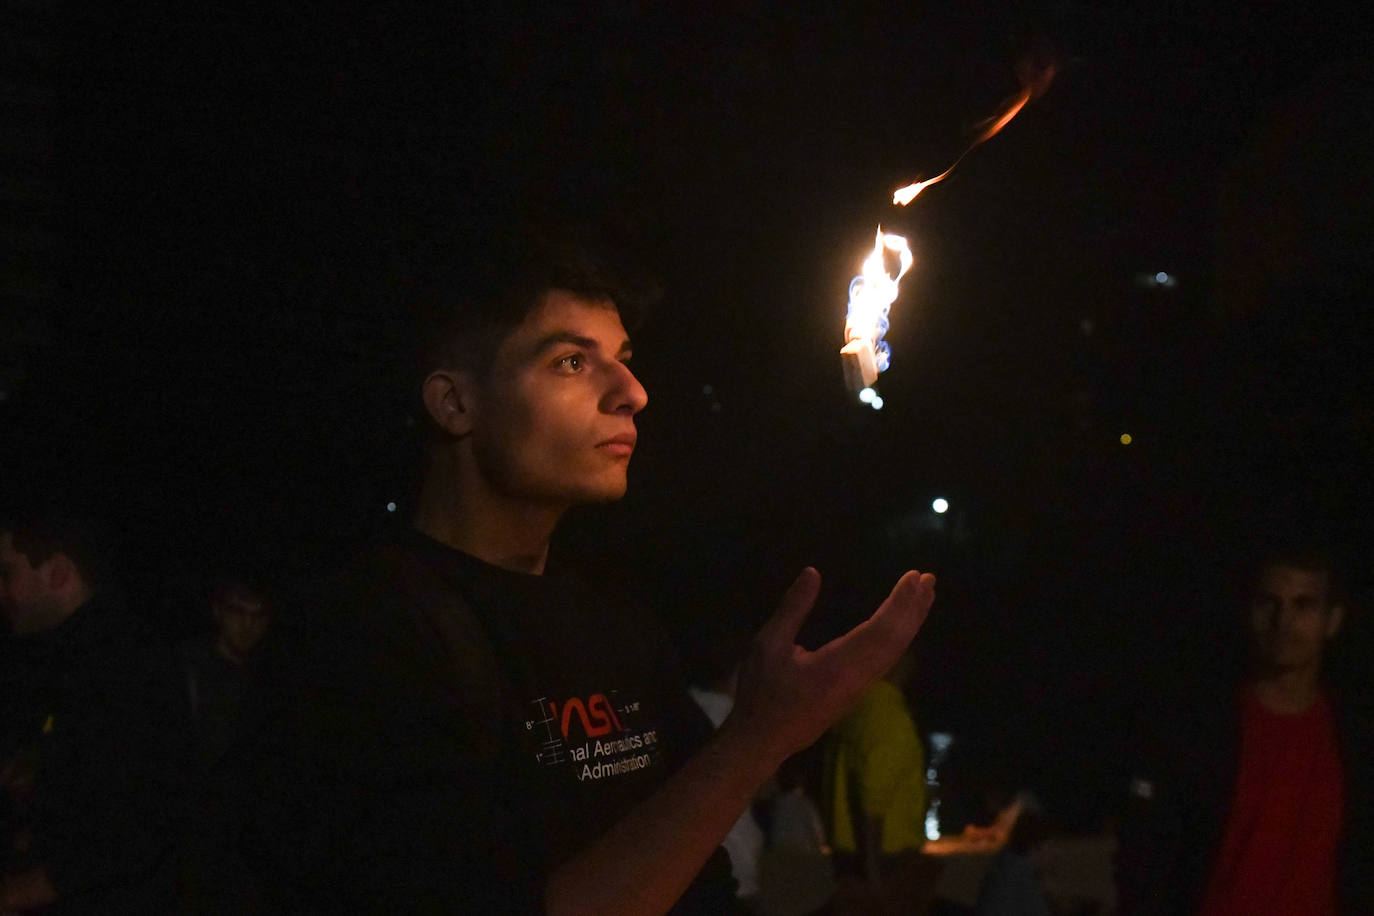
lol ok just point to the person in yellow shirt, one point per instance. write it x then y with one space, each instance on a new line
875 784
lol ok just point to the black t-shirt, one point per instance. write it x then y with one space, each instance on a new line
91 761
442 734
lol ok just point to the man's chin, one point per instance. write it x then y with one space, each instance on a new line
609 495
1279 665
608 492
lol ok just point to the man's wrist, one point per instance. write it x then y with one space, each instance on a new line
748 749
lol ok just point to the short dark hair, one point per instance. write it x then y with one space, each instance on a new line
486 290
229 589
1308 557
85 541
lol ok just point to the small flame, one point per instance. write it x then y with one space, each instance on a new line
1035 79
871 295
872 292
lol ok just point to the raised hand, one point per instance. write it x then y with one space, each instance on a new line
787 696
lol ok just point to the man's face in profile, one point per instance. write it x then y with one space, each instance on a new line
556 414
1291 618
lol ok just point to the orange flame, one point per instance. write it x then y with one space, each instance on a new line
1034 81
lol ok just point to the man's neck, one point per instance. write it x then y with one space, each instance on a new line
1288 692
227 652
467 515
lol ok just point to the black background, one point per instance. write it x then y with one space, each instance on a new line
242 201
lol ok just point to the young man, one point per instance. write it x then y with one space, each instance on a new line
1261 802
215 672
90 740
474 732
215 668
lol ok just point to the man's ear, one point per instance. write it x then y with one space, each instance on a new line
1334 620
450 398
58 571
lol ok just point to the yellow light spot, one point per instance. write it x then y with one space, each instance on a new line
1126 439
47 725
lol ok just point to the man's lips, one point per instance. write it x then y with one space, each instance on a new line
622 445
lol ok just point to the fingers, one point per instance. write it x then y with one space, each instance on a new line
901 616
782 627
885 635
909 602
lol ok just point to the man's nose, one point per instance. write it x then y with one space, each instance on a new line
624 393
1287 615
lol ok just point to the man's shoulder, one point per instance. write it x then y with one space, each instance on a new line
389 618
382 590
881 700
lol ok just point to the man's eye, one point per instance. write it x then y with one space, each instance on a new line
572 363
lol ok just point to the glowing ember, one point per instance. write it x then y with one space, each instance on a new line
1034 80
871 295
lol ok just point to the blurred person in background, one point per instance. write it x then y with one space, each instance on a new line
713 690
216 674
216 668
1257 800
875 794
91 749
796 874
1011 886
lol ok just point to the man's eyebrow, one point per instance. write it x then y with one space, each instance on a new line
577 340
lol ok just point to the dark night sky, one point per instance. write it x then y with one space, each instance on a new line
243 202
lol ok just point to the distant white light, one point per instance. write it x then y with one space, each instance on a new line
877 402
867 395
933 821
1160 279
391 507
940 506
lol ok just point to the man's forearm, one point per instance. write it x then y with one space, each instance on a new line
787 697
643 864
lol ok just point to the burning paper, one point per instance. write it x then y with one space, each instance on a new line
871 295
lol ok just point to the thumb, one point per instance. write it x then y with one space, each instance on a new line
781 629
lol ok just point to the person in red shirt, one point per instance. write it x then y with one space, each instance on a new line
1283 830
1258 815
